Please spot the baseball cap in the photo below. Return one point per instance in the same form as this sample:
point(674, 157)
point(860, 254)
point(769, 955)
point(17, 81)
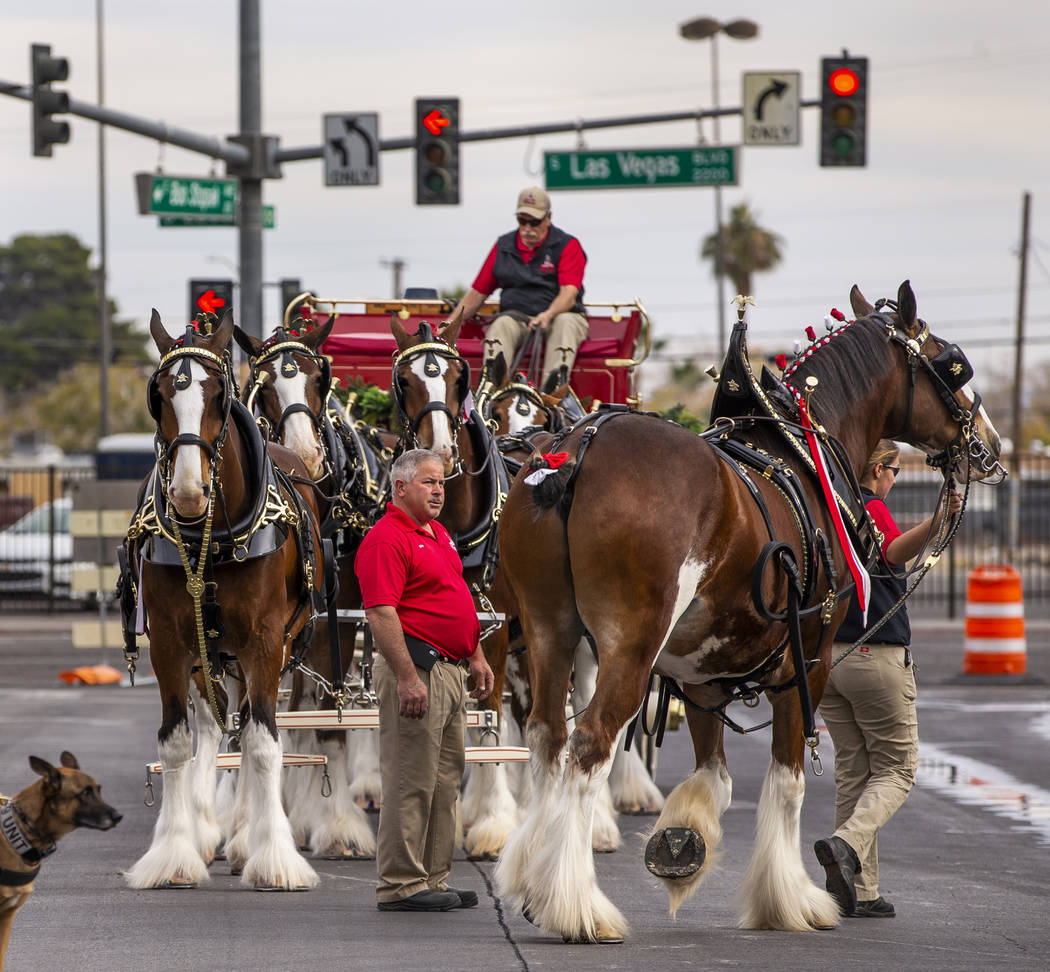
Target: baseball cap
point(534, 202)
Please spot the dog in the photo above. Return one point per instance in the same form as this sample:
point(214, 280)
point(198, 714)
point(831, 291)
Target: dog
point(34, 819)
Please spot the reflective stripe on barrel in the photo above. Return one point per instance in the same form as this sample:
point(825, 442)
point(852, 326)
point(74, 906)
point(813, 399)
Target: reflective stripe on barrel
point(995, 638)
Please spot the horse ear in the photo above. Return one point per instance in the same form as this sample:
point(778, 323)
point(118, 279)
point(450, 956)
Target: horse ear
point(859, 303)
point(450, 329)
point(250, 345)
point(316, 337)
point(224, 332)
point(557, 396)
point(161, 337)
point(68, 760)
point(401, 336)
point(907, 311)
point(498, 373)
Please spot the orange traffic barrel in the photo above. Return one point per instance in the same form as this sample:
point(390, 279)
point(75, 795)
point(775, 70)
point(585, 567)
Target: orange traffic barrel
point(995, 639)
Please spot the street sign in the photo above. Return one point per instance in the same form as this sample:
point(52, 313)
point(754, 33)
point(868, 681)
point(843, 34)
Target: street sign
point(186, 195)
point(771, 107)
point(351, 149)
point(642, 168)
point(269, 220)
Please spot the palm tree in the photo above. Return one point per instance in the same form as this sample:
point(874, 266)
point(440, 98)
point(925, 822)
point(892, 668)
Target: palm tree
point(747, 248)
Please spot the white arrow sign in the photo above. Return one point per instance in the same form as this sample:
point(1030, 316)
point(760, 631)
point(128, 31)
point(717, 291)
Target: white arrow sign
point(771, 107)
point(351, 149)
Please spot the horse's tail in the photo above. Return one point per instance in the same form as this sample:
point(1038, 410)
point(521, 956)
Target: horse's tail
point(552, 489)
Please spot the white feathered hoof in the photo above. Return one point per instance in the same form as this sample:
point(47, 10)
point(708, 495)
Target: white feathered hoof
point(675, 853)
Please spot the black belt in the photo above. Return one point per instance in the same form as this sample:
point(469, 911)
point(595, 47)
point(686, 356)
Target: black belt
point(423, 654)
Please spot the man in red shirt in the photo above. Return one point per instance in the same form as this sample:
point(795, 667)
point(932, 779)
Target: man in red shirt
point(539, 271)
point(424, 625)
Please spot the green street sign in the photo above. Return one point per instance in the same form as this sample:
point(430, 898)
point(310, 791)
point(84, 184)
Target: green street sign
point(186, 195)
point(642, 168)
point(269, 220)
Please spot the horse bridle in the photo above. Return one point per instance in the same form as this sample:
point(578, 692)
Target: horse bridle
point(186, 352)
point(948, 371)
point(526, 394)
point(283, 347)
point(432, 349)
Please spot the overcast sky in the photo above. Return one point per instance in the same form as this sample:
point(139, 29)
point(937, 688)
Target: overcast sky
point(959, 130)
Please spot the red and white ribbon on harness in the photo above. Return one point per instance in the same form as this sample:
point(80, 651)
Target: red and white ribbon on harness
point(552, 461)
point(856, 567)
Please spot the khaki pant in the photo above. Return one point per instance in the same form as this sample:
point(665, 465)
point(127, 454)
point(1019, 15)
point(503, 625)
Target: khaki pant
point(869, 709)
point(567, 331)
point(421, 769)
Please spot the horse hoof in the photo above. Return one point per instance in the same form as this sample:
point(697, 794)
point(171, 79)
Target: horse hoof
point(676, 852)
point(483, 857)
point(177, 884)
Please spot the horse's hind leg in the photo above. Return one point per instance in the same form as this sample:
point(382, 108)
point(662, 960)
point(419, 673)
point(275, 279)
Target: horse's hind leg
point(343, 831)
point(173, 859)
point(777, 891)
point(683, 846)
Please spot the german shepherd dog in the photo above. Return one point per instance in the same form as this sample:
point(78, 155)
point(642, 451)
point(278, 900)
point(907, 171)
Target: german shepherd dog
point(33, 820)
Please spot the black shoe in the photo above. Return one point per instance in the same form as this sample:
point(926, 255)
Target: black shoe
point(879, 908)
point(424, 901)
point(841, 863)
point(467, 899)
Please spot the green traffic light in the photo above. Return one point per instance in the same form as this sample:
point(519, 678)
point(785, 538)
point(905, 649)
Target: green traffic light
point(436, 180)
point(842, 143)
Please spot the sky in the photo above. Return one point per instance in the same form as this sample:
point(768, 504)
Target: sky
point(959, 130)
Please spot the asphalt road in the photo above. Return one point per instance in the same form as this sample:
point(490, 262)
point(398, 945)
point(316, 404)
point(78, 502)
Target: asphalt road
point(966, 860)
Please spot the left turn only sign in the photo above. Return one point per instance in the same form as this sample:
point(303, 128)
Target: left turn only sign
point(351, 149)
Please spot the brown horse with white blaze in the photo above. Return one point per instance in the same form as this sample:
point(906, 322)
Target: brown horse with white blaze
point(647, 539)
point(229, 558)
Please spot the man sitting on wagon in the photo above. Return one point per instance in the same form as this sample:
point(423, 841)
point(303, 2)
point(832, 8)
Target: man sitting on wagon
point(539, 271)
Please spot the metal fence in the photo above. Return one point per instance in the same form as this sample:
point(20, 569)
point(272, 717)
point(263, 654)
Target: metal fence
point(34, 569)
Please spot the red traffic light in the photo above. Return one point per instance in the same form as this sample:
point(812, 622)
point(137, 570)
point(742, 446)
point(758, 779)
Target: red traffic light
point(210, 302)
point(435, 121)
point(844, 82)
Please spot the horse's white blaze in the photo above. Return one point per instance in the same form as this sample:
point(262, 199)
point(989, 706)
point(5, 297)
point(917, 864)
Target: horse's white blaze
point(298, 432)
point(436, 389)
point(186, 488)
point(777, 891)
point(516, 422)
point(273, 862)
point(173, 854)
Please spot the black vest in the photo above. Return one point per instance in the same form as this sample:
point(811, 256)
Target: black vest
point(531, 287)
point(885, 592)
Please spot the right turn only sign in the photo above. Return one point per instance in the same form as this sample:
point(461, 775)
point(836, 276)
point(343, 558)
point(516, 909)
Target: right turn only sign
point(771, 107)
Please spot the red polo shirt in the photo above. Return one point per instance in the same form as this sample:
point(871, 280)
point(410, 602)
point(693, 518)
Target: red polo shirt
point(421, 576)
point(570, 267)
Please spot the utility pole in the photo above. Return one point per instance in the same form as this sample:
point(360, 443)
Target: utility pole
point(1015, 424)
point(397, 264)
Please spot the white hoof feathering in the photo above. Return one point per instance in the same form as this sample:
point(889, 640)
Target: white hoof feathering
point(273, 861)
point(363, 754)
point(777, 892)
point(633, 790)
point(341, 828)
point(490, 812)
point(696, 804)
point(605, 834)
point(173, 857)
point(547, 867)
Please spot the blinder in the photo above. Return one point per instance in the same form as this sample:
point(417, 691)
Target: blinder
point(952, 367)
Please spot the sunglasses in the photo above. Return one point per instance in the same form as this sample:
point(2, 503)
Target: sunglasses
point(527, 221)
point(896, 470)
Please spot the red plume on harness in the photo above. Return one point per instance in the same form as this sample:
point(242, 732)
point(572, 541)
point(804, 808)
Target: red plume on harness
point(543, 466)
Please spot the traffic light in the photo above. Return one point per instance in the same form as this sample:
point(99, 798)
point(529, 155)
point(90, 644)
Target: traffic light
point(211, 297)
point(437, 151)
point(45, 69)
point(843, 110)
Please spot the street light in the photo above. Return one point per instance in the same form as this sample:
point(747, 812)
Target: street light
point(701, 29)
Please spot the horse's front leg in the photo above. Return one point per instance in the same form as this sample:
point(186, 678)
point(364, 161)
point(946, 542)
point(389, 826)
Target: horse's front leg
point(273, 862)
point(777, 892)
point(202, 772)
point(173, 858)
point(683, 846)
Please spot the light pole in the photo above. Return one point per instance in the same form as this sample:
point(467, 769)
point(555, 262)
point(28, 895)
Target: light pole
point(701, 29)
